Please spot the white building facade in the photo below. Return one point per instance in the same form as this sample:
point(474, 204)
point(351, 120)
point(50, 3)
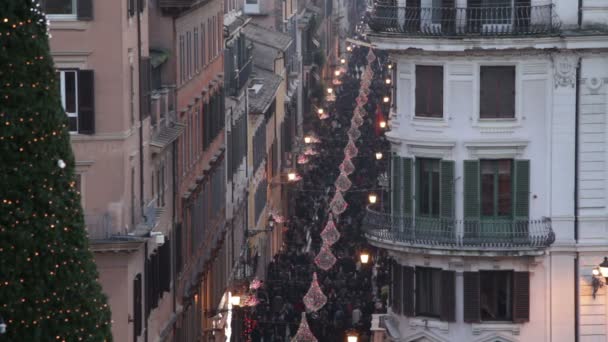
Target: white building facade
point(498, 200)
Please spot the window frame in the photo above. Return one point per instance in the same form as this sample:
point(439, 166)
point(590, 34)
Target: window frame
point(432, 116)
point(510, 294)
point(64, 16)
point(481, 87)
point(496, 190)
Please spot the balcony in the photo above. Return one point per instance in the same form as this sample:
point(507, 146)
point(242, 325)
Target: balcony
point(458, 237)
point(104, 236)
point(470, 21)
point(239, 78)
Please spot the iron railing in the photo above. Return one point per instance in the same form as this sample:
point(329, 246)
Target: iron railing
point(455, 234)
point(101, 228)
point(473, 21)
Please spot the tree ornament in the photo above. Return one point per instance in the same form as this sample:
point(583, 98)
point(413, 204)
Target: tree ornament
point(61, 164)
point(338, 205)
point(354, 133)
point(330, 233)
point(325, 259)
point(343, 183)
point(351, 150)
point(370, 57)
point(314, 299)
point(347, 166)
point(356, 121)
point(304, 334)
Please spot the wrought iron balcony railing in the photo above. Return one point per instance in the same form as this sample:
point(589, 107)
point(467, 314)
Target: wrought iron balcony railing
point(458, 234)
point(471, 21)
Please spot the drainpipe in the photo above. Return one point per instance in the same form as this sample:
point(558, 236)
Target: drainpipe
point(173, 220)
point(141, 154)
point(576, 211)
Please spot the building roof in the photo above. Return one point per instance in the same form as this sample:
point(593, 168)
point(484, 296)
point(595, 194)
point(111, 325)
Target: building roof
point(265, 85)
point(264, 56)
point(261, 35)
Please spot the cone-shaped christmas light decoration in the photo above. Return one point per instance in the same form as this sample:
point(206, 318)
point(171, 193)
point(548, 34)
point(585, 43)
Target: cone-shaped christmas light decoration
point(330, 233)
point(338, 205)
point(354, 133)
point(314, 299)
point(303, 159)
point(310, 152)
point(351, 150)
point(304, 334)
point(370, 57)
point(325, 259)
point(347, 166)
point(356, 121)
point(343, 183)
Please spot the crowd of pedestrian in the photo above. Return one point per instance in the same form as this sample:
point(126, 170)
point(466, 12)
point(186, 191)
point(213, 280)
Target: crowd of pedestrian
point(354, 290)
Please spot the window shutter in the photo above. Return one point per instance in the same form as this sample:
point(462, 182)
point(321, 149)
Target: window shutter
point(421, 84)
point(522, 189)
point(471, 189)
point(472, 311)
point(521, 297)
point(485, 93)
point(448, 296)
point(437, 90)
point(145, 71)
point(86, 102)
point(396, 186)
point(507, 83)
point(131, 8)
point(407, 165)
point(447, 189)
point(137, 306)
point(84, 10)
point(396, 288)
point(408, 291)
point(141, 5)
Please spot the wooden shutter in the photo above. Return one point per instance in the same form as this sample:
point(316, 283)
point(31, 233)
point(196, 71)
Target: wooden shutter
point(396, 202)
point(421, 84)
point(447, 189)
point(86, 102)
point(84, 10)
point(408, 294)
point(407, 166)
point(486, 93)
point(131, 8)
point(521, 297)
point(471, 189)
point(397, 286)
point(448, 296)
point(141, 5)
point(472, 311)
point(507, 93)
point(522, 190)
point(137, 295)
point(145, 70)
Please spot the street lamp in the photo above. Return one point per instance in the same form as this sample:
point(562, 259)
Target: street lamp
point(235, 300)
point(330, 90)
point(388, 81)
point(372, 198)
point(364, 257)
point(386, 99)
point(390, 65)
point(343, 61)
point(337, 73)
point(378, 155)
point(291, 176)
point(349, 48)
point(320, 111)
point(382, 124)
point(307, 140)
point(352, 336)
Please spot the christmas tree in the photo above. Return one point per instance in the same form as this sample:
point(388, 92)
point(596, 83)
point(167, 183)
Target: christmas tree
point(48, 280)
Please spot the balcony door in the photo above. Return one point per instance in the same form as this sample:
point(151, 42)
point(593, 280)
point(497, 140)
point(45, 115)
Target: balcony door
point(430, 16)
point(498, 16)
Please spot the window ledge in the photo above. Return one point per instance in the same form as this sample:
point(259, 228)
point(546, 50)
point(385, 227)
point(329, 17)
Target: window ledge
point(500, 124)
point(479, 328)
point(429, 323)
point(429, 121)
point(67, 24)
point(430, 149)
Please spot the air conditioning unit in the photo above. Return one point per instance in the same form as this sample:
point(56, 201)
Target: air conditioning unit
point(496, 28)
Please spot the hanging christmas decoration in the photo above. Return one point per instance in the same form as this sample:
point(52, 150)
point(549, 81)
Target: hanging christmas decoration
point(351, 150)
point(343, 183)
point(325, 259)
point(347, 166)
point(304, 334)
point(370, 57)
point(354, 133)
point(330, 233)
point(251, 301)
point(356, 121)
point(256, 283)
point(310, 152)
point(314, 299)
point(338, 205)
point(302, 159)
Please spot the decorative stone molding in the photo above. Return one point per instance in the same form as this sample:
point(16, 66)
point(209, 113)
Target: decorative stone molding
point(479, 328)
point(430, 149)
point(594, 83)
point(496, 338)
point(564, 69)
point(496, 149)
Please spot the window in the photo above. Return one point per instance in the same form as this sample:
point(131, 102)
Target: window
point(189, 53)
point(203, 55)
point(429, 91)
point(76, 91)
point(196, 52)
point(428, 187)
point(497, 92)
point(59, 7)
point(68, 83)
point(496, 188)
point(182, 59)
point(428, 292)
point(496, 295)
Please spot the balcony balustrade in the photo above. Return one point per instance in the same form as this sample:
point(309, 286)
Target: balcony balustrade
point(471, 21)
point(449, 234)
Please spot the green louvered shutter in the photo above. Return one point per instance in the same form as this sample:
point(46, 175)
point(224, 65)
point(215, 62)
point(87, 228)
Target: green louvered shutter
point(522, 190)
point(407, 186)
point(471, 198)
point(447, 189)
point(396, 185)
